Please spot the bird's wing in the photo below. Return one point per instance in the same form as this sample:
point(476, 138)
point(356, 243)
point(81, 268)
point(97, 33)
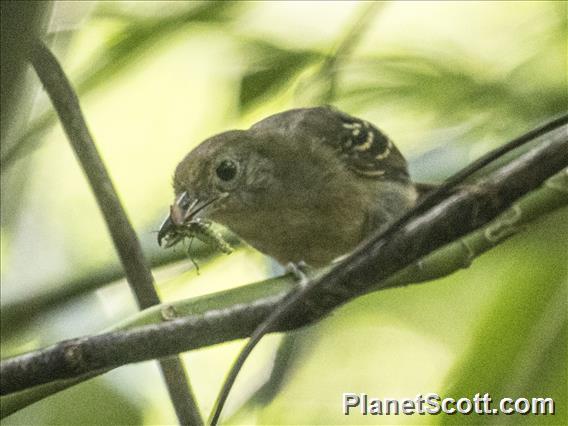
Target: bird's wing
point(363, 148)
point(366, 150)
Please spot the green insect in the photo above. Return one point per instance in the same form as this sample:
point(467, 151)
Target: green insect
point(202, 230)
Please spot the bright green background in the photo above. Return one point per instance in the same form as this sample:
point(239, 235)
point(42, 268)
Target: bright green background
point(446, 80)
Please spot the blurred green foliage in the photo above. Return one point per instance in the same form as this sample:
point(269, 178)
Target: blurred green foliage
point(75, 406)
point(271, 68)
point(522, 332)
point(133, 38)
point(451, 80)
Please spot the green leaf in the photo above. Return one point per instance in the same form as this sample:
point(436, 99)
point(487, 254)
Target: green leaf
point(137, 38)
point(271, 68)
point(451, 88)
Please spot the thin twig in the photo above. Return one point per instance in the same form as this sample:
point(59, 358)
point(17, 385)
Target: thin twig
point(138, 273)
point(321, 87)
point(457, 214)
point(346, 46)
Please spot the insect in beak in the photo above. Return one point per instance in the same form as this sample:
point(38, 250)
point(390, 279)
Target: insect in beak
point(182, 212)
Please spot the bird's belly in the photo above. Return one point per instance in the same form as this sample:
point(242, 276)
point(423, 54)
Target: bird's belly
point(317, 244)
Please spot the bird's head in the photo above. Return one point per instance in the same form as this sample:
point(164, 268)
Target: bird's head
point(221, 179)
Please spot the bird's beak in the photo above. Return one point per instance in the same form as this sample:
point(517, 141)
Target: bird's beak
point(166, 228)
point(181, 212)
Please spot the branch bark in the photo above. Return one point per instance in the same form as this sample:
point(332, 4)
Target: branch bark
point(456, 215)
point(126, 243)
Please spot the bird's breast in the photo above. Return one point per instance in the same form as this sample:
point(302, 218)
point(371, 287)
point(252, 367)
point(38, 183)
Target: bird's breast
point(295, 235)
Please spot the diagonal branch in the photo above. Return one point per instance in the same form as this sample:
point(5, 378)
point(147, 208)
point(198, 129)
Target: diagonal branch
point(456, 215)
point(126, 243)
point(452, 257)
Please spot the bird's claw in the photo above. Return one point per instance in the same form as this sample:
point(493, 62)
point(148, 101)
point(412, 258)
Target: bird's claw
point(300, 271)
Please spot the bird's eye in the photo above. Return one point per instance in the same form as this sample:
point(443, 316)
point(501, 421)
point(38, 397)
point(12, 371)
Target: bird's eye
point(226, 170)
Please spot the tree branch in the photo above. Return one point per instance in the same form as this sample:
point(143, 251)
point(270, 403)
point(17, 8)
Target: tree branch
point(126, 243)
point(215, 319)
point(457, 255)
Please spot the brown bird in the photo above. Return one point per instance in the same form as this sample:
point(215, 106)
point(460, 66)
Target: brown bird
point(305, 185)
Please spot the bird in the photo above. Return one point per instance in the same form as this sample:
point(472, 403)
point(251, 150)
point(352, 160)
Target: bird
point(304, 186)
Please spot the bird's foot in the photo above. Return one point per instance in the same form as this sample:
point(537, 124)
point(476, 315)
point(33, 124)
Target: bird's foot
point(300, 271)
